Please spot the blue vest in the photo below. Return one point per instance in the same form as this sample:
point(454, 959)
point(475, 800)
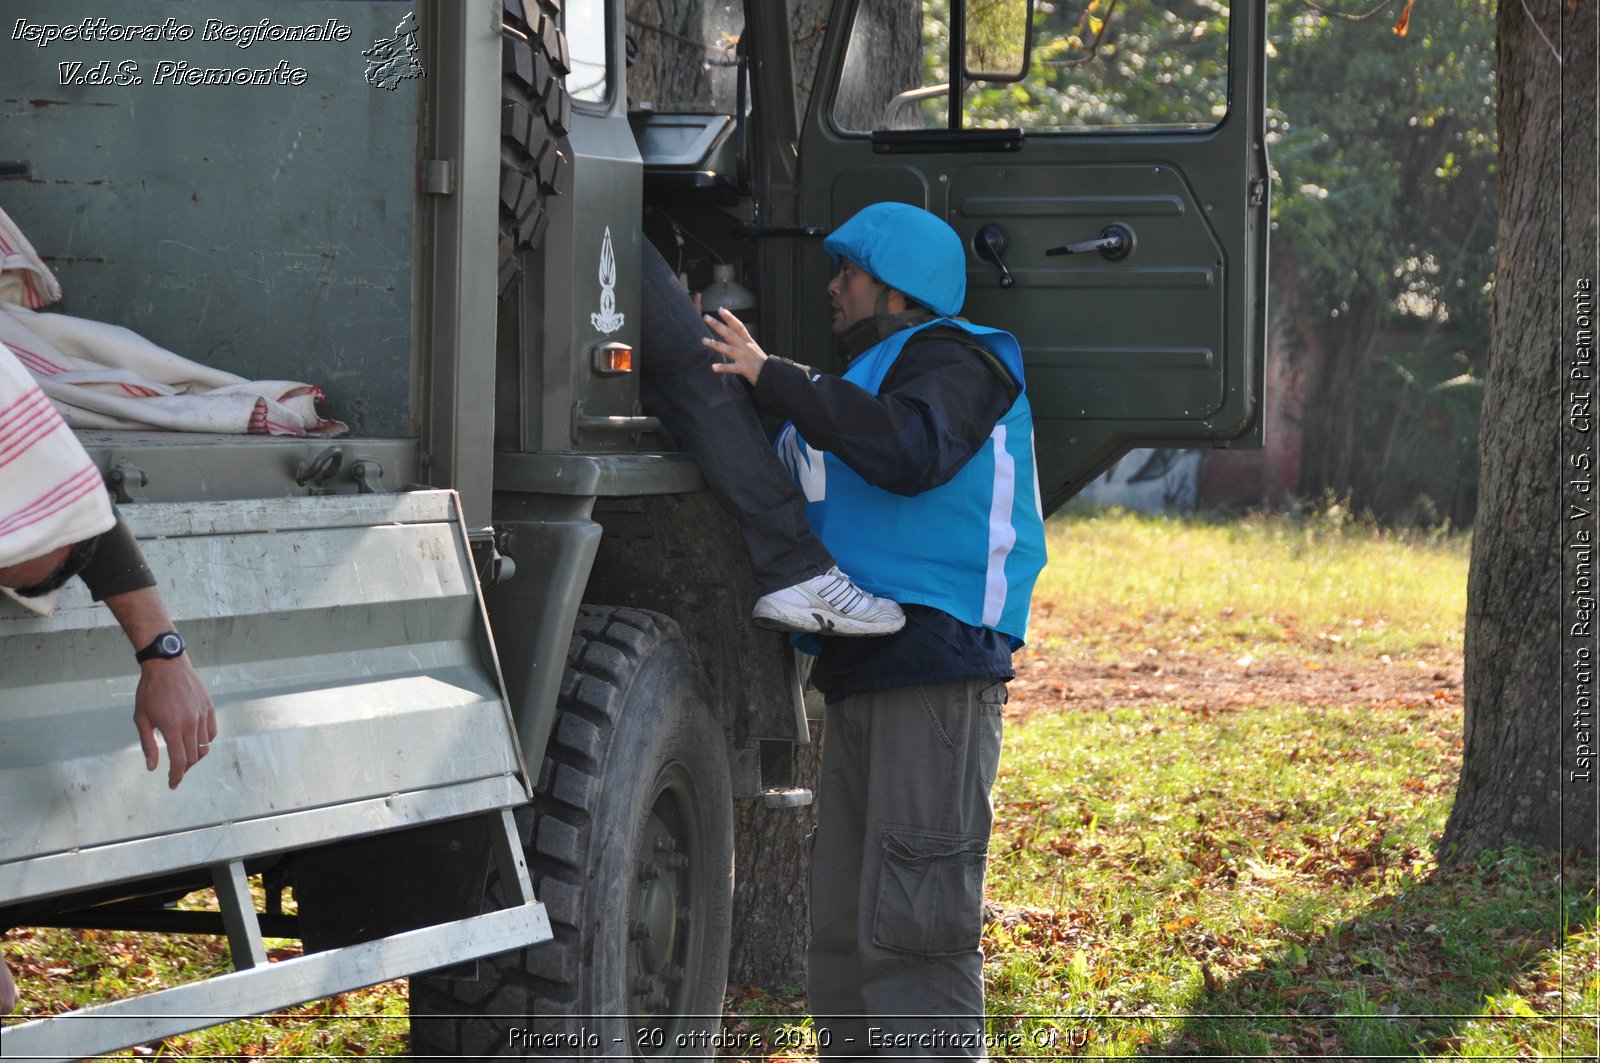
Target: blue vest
point(972, 547)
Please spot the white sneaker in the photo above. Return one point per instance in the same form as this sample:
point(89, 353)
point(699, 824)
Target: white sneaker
point(829, 604)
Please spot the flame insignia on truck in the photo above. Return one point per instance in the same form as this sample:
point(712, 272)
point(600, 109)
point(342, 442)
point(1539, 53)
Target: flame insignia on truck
point(607, 320)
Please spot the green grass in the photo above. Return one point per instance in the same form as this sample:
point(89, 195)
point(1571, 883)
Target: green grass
point(60, 969)
point(1121, 583)
point(1153, 868)
point(1260, 881)
point(1248, 882)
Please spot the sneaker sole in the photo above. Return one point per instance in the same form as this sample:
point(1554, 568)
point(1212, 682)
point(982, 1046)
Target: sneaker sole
point(811, 622)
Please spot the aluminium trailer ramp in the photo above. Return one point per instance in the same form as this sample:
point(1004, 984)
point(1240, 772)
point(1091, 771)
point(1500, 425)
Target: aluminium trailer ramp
point(344, 641)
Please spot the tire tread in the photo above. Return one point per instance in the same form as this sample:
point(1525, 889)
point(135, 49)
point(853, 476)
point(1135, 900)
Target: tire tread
point(607, 647)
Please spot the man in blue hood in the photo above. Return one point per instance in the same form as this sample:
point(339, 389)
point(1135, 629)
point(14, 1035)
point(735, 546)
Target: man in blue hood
point(918, 472)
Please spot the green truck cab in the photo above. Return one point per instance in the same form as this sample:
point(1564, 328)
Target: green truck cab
point(483, 668)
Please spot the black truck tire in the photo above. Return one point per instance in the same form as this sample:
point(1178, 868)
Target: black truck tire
point(630, 844)
point(535, 113)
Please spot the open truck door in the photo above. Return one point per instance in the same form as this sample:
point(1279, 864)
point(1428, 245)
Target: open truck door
point(1106, 171)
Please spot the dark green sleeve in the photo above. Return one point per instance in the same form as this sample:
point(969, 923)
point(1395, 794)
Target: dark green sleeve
point(117, 566)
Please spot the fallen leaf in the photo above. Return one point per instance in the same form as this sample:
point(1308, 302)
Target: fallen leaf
point(1404, 24)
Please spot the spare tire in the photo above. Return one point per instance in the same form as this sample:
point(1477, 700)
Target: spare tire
point(535, 113)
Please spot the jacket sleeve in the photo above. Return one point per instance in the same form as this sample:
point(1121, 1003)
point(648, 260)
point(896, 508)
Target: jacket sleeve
point(936, 407)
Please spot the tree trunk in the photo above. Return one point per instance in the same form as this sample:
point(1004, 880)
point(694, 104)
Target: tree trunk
point(808, 22)
point(1528, 775)
point(771, 918)
point(684, 54)
point(1333, 433)
point(884, 59)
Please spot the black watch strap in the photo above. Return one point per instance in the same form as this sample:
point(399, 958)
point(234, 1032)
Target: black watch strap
point(167, 645)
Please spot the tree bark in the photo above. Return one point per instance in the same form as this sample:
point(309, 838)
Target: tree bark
point(884, 59)
point(808, 23)
point(683, 54)
point(1526, 687)
point(771, 918)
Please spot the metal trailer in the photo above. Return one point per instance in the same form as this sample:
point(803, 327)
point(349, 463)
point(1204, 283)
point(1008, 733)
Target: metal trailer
point(455, 260)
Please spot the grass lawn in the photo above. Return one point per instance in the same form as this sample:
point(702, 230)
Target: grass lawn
point(1230, 751)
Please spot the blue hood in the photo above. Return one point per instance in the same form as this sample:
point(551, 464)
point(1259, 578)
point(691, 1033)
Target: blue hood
point(910, 250)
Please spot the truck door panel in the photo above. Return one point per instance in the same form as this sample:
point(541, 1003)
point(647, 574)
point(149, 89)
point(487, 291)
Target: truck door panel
point(1160, 345)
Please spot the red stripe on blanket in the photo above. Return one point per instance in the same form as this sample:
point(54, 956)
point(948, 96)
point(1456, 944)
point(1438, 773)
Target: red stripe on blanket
point(36, 362)
point(35, 299)
point(20, 434)
point(27, 396)
point(73, 489)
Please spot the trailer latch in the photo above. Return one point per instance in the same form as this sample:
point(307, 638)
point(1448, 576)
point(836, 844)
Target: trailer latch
point(121, 476)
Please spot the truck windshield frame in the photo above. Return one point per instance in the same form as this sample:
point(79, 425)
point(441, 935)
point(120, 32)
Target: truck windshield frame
point(1146, 67)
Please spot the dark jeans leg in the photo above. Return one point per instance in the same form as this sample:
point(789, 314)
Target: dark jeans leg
point(710, 416)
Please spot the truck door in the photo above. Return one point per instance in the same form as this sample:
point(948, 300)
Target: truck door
point(1112, 196)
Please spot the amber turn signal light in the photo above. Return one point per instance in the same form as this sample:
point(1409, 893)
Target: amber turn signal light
point(612, 359)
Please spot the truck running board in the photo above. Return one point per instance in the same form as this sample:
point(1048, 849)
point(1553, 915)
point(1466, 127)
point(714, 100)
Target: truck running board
point(257, 987)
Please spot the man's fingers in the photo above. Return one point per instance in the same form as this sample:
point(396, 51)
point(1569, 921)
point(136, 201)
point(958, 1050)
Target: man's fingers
point(147, 742)
point(180, 754)
point(728, 326)
point(736, 324)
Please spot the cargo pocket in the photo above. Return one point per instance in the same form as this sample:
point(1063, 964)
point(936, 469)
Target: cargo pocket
point(930, 900)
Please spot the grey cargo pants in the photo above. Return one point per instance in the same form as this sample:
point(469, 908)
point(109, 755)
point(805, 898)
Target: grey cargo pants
point(903, 820)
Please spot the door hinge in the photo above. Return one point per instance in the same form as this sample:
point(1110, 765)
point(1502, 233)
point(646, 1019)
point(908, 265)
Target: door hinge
point(1258, 192)
point(438, 176)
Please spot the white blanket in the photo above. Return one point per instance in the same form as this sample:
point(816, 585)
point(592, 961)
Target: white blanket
point(51, 494)
point(106, 376)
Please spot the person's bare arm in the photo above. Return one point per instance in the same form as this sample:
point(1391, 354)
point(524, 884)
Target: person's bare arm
point(27, 573)
point(171, 698)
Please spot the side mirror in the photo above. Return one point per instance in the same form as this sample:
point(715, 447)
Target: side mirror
point(996, 39)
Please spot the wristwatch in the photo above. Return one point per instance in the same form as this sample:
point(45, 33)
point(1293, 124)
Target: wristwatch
point(166, 646)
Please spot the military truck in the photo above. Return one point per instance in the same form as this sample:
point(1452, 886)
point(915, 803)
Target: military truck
point(483, 668)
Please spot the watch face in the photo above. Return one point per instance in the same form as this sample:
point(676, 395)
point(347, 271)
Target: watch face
point(170, 645)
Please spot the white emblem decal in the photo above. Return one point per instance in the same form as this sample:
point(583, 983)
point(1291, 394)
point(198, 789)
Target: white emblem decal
point(804, 463)
point(607, 320)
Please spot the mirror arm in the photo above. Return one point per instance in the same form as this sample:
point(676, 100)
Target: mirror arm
point(958, 61)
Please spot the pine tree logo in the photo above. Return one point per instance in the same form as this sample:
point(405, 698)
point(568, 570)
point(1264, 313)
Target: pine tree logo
point(607, 320)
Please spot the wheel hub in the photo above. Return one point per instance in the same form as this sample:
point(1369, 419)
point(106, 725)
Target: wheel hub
point(657, 912)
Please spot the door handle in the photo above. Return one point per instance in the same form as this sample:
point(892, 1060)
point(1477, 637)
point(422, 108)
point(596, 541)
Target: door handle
point(1115, 241)
point(989, 244)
